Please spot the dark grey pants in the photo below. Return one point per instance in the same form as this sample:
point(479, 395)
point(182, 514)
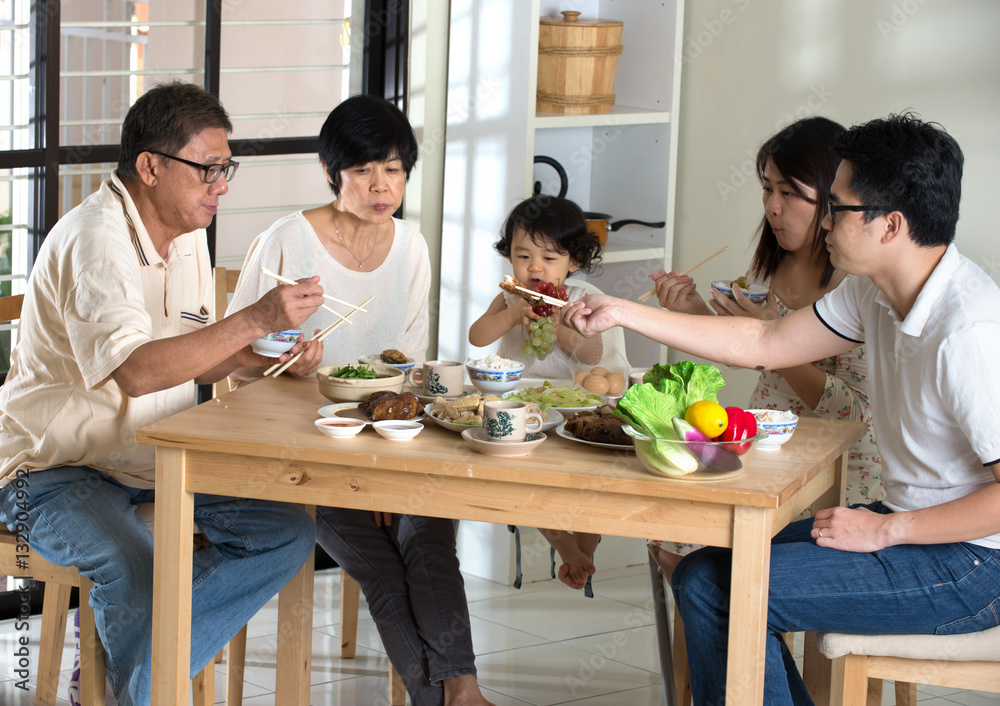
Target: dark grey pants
point(410, 577)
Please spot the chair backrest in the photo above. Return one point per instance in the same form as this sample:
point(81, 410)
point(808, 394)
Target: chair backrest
point(225, 284)
point(10, 311)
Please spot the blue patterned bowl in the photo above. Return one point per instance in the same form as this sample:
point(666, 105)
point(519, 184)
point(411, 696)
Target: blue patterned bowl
point(495, 381)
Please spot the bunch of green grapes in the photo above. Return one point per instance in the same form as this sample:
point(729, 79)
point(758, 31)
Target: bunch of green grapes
point(541, 338)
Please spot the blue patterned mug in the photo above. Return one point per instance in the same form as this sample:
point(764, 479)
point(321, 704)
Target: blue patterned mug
point(505, 420)
point(439, 377)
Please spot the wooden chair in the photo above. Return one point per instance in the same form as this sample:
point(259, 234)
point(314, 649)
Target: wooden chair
point(970, 661)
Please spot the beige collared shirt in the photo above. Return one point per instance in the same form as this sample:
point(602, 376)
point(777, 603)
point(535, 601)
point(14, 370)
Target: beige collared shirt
point(97, 291)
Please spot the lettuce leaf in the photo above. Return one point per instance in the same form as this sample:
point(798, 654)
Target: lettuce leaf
point(690, 382)
point(650, 411)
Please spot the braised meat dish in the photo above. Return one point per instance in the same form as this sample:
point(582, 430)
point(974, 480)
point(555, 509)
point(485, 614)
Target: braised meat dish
point(600, 426)
point(390, 405)
point(391, 355)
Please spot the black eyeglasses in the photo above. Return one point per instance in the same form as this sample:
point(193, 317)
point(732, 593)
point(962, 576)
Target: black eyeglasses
point(212, 171)
point(832, 209)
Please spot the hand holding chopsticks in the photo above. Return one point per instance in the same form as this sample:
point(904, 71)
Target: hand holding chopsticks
point(652, 292)
point(278, 368)
point(285, 280)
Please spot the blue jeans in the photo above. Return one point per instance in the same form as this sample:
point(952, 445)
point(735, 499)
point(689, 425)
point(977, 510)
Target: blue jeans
point(920, 589)
point(79, 517)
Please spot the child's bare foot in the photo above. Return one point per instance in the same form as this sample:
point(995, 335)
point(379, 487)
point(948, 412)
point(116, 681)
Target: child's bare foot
point(576, 577)
point(464, 691)
point(667, 561)
point(577, 565)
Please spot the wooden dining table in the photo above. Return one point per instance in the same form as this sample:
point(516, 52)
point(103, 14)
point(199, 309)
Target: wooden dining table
point(260, 442)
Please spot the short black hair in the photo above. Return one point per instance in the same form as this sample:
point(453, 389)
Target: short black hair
point(803, 153)
point(907, 165)
point(550, 220)
point(365, 129)
point(164, 119)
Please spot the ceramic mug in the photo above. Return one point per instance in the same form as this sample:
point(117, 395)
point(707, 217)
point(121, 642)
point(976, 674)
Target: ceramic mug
point(439, 377)
point(506, 420)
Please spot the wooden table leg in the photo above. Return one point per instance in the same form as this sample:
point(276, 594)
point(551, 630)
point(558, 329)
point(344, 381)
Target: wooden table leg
point(172, 569)
point(295, 610)
point(748, 605)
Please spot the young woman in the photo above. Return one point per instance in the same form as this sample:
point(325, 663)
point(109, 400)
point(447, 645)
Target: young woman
point(796, 168)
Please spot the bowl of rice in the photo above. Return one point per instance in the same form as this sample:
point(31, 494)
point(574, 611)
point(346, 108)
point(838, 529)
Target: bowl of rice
point(493, 374)
point(778, 425)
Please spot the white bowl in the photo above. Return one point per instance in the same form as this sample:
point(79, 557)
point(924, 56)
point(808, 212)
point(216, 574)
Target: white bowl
point(377, 358)
point(338, 427)
point(779, 428)
point(495, 380)
point(398, 429)
point(274, 344)
point(755, 292)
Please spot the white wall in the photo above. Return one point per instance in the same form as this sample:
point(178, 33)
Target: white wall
point(751, 67)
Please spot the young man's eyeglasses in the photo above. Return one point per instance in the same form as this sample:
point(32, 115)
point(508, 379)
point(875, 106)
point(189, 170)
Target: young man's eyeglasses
point(831, 209)
point(212, 171)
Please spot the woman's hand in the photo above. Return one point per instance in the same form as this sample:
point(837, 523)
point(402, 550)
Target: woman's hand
point(677, 293)
point(724, 306)
point(310, 359)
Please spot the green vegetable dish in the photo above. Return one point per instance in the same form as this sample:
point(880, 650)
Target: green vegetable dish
point(352, 372)
point(547, 397)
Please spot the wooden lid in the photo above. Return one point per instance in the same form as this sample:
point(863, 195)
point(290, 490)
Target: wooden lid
point(573, 17)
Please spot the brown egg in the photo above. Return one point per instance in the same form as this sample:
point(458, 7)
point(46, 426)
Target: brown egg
point(580, 376)
point(598, 384)
point(616, 383)
point(603, 372)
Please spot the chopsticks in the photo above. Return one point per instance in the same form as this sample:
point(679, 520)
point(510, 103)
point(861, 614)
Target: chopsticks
point(285, 280)
point(652, 292)
point(278, 368)
point(542, 297)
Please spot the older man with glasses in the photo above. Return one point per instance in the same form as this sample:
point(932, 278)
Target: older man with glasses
point(116, 331)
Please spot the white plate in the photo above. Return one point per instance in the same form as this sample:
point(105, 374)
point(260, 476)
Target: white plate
point(349, 410)
point(422, 395)
point(561, 431)
point(477, 439)
point(567, 410)
point(555, 419)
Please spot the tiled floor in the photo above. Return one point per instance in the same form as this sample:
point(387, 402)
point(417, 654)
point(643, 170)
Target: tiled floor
point(544, 644)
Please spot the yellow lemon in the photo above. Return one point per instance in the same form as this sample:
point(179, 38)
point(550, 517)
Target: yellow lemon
point(709, 418)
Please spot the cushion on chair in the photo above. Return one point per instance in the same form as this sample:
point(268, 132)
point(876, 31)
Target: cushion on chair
point(983, 646)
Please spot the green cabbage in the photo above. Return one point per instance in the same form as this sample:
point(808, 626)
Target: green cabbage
point(687, 381)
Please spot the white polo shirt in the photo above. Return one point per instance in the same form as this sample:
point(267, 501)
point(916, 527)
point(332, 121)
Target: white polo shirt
point(935, 382)
point(97, 291)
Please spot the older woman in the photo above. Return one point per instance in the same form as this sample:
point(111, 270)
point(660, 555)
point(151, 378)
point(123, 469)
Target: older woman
point(406, 564)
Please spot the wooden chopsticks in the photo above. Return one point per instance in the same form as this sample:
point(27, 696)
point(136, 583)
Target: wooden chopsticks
point(278, 368)
point(652, 292)
point(542, 297)
point(285, 280)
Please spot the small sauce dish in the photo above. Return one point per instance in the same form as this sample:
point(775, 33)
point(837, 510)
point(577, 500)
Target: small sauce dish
point(397, 429)
point(339, 427)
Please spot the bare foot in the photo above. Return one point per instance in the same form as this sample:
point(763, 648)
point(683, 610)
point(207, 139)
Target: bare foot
point(667, 561)
point(576, 577)
point(577, 565)
point(464, 691)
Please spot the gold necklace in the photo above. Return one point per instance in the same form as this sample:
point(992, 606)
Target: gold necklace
point(361, 263)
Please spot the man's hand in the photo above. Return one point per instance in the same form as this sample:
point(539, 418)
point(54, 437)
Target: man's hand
point(288, 306)
point(593, 314)
point(852, 529)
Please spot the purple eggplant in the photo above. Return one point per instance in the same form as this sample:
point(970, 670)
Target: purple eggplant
point(713, 456)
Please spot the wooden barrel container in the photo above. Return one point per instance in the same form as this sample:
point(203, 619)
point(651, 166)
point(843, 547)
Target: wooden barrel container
point(577, 62)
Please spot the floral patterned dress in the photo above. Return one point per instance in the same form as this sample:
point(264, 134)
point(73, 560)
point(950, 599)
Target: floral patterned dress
point(845, 397)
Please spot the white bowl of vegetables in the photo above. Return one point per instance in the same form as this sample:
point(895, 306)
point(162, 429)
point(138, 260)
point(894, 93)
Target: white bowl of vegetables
point(347, 382)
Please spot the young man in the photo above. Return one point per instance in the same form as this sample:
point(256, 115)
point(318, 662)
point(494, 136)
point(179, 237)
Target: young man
point(115, 333)
point(927, 558)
